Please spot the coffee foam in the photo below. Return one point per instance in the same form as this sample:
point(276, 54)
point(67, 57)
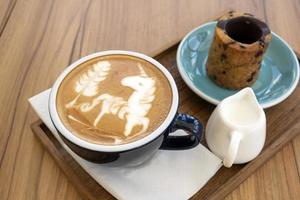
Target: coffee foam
point(87, 84)
point(112, 100)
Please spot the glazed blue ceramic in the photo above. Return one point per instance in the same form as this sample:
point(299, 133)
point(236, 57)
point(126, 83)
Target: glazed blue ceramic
point(165, 141)
point(135, 152)
point(278, 77)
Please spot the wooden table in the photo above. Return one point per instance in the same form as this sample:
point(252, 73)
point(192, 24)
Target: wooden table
point(39, 38)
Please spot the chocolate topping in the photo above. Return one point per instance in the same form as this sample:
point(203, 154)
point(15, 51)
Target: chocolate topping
point(259, 53)
point(223, 56)
point(262, 42)
point(244, 29)
point(251, 77)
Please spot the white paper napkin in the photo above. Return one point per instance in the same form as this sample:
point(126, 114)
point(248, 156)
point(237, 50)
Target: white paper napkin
point(172, 175)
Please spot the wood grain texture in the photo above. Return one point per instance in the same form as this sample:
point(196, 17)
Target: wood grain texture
point(39, 38)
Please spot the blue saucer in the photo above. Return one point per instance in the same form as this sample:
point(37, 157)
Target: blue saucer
point(278, 77)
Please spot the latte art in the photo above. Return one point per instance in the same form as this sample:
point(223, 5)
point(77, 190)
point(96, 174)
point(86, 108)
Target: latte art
point(88, 83)
point(134, 109)
point(114, 99)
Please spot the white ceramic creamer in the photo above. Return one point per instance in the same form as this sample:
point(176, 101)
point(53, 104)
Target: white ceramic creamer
point(236, 130)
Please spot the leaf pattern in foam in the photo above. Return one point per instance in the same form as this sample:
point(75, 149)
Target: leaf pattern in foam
point(87, 84)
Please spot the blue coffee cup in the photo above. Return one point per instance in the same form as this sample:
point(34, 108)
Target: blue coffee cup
point(138, 151)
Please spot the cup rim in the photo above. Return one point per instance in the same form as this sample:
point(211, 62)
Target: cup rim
point(112, 148)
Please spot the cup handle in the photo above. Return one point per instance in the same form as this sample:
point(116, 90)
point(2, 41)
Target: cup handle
point(233, 149)
point(192, 126)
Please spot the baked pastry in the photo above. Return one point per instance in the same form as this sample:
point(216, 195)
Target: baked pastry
point(237, 50)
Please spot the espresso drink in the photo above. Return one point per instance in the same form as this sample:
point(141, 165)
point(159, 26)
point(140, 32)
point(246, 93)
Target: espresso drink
point(114, 99)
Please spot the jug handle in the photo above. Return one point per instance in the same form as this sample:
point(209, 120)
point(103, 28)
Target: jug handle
point(233, 149)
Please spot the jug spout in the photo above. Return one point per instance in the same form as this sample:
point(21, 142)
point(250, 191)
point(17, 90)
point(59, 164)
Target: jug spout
point(247, 95)
point(242, 108)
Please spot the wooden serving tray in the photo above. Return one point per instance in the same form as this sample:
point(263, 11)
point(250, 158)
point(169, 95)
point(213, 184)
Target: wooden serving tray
point(283, 124)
